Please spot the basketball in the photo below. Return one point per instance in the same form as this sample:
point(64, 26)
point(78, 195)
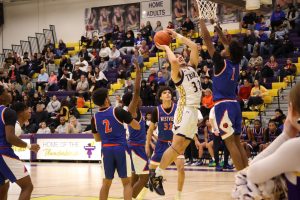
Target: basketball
point(162, 38)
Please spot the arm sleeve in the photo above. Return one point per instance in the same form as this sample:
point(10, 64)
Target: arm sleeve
point(285, 159)
point(123, 116)
point(10, 117)
point(94, 130)
point(272, 147)
point(218, 62)
point(154, 116)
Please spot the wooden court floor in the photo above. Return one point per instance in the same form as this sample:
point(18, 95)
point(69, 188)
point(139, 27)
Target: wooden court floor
point(82, 181)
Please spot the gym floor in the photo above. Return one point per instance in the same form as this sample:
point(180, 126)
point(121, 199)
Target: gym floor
point(82, 181)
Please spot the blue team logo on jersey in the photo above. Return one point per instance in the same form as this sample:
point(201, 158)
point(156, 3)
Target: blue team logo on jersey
point(89, 149)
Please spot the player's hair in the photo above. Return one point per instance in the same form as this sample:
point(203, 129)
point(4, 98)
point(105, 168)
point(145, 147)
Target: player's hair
point(294, 98)
point(19, 107)
point(272, 121)
point(99, 96)
point(126, 98)
point(161, 90)
point(236, 51)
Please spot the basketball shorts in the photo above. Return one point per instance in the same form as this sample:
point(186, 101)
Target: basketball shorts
point(11, 167)
point(229, 118)
point(159, 151)
point(116, 158)
point(185, 121)
point(139, 159)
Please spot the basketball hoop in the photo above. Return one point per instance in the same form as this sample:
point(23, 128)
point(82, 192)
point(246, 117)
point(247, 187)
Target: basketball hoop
point(207, 9)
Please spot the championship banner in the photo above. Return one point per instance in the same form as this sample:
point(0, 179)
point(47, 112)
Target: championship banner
point(23, 153)
point(68, 149)
point(155, 8)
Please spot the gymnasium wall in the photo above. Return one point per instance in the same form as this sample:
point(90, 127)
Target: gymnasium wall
point(26, 18)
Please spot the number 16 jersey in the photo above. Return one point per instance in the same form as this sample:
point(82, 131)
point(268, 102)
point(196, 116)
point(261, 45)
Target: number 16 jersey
point(189, 88)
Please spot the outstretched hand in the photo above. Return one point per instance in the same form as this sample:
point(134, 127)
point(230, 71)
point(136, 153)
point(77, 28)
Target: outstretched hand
point(161, 47)
point(172, 33)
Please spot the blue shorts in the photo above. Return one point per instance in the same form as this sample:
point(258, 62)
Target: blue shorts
point(229, 118)
point(116, 158)
point(139, 159)
point(11, 167)
point(160, 149)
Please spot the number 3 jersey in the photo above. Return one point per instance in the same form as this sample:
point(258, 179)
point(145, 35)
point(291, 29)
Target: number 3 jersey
point(189, 88)
point(165, 123)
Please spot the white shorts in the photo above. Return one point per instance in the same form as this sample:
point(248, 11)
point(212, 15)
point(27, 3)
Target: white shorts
point(185, 121)
point(139, 160)
point(11, 169)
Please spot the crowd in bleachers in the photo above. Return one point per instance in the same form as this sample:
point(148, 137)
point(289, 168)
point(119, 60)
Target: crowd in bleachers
point(105, 58)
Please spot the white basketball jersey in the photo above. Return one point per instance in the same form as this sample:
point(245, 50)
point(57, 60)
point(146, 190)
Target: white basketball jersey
point(189, 88)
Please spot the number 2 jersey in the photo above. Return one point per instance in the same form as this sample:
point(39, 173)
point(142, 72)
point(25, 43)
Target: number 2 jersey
point(109, 124)
point(189, 88)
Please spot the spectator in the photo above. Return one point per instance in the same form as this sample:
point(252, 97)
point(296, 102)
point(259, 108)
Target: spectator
point(158, 27)
point(49, 45)
point(144, 49)
point(154, 88)
point(15, 94)
point(119, 102)
point(114, 57)
point(14, 75)
point(40, 115)
point(256, 97)
point(43, 129)
point(279, 116)
point(104, 51)
point(74, 126)
point(270, 134)
point(128, 44)
point(288, 70)
point(96, 43)
point(244, 94)
point(261, 25)
point(145, 93)
point(64, 110)
point(49, 56)
point(80, 101)
point(52, 82)
point(62, 128)
point(207, 102)
point(138, 40)
point(272, 63)
point(165, 72)
point(83, 87)
point(249, 41)
point(160, 80)
point(146, 31)
point(42, 79)
point(65, 80)
point(170, 25)
point(262, 40)
point(10, 60)
point(277, 17)
point(128, 87)
point(152, 75)
point(255, 61)
point(188, 27)
point(292, 15)
point(62, 48)
point(137, 58)
point(83, 64)
point(249, 20)
point(85, 54)
point(206, 84)
point(100, 78)
point(53, 106)
point(103, 66)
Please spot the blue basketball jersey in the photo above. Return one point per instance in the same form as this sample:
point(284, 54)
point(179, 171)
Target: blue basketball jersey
point(111, 130)
point(138, 136)
point(165, 123)
point(3, 141)
point(258, 135)
point(226, 82)
point(244, 134)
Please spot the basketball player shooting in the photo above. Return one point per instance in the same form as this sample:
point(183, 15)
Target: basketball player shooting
point(225, 81)
point(188, 86)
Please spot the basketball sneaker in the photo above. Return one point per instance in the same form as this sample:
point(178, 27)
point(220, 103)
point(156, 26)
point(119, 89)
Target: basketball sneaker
point(156, 183)
point(212, 163)
point(228, 166)
point(219, 168)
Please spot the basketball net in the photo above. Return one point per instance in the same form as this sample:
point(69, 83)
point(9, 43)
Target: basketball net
point(207, 9)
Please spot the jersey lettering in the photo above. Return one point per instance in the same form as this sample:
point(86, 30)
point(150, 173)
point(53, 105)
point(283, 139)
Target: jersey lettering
point(108, 129)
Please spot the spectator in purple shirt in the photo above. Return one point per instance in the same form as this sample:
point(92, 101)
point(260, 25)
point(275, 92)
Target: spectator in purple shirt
point(277, 17)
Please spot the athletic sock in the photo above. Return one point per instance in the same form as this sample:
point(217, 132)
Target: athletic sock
point(159, 172)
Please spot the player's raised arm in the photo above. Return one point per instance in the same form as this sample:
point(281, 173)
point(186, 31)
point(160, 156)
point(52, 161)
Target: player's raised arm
point(206, 37)
point(175, 66)
point(220, 33)
point(132, 108)
point(194, 57)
